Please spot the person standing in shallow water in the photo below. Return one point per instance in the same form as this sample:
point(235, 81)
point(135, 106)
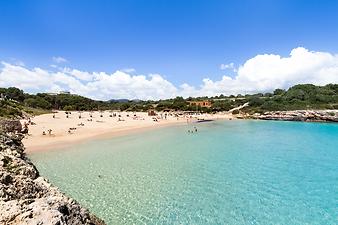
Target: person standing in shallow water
point(193, 130)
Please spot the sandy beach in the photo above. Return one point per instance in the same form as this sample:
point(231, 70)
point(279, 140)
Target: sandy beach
point(49, 131)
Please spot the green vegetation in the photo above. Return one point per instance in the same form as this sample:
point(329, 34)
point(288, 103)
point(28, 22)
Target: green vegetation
point(13, 104)
point(235, 112)
point(304, 96)
point(9, 109)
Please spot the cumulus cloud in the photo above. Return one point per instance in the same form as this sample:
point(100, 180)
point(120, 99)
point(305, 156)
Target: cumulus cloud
point(59, 59)
point(97, 85)
point(261, 73)
point(227, 66)
point(17, 62)
point(269, 71)
point(80, 75)
point(129, 70)
point(266, 72)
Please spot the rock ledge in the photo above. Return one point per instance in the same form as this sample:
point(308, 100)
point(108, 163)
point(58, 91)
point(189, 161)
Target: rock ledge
point(298, 115)
point(27, 198)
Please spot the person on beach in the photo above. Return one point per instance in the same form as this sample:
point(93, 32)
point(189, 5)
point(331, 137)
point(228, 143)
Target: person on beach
point(25, 128)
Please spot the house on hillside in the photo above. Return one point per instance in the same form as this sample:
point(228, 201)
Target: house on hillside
point(64, 92)
point(206, 104)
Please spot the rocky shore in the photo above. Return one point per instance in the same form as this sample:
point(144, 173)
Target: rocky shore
point(26, 197)
point(298, 115)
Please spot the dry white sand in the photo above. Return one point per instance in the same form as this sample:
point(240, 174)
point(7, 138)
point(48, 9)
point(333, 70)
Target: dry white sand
point(96, 126)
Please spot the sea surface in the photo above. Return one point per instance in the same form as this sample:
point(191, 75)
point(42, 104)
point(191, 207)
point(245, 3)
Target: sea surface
point(228, 172)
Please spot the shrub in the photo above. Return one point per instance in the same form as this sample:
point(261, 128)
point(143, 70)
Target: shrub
point(235, 112)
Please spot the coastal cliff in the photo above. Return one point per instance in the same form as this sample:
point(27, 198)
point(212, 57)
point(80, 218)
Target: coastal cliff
point(297, 115)
point(26, 197)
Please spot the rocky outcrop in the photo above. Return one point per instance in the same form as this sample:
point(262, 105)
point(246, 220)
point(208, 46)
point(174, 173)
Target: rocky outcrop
point(27, 198)
point(10, 126)
point(299, 115)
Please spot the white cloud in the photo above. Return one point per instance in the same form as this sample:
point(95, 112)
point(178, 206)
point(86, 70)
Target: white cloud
point(80, 75)
point(17, 62)
point(18, 76)
point(59, 59)
point(129, 70)
point(259, 74)
point(269, 71)
point(227, 66)
point(97, 85)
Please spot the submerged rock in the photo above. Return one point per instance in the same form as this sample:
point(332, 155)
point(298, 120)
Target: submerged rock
point(27, 198)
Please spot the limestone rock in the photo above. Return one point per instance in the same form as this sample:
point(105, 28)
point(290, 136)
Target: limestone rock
point(26, 198)
point(299, 115)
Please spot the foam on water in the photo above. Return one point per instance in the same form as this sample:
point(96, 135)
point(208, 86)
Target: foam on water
point(230, 172)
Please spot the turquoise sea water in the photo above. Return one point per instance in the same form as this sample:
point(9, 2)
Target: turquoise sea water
point(230, 172)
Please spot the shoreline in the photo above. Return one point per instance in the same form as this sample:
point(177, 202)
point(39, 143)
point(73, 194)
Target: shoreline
point(97, 136)
point(124, 123)
point(99, 128)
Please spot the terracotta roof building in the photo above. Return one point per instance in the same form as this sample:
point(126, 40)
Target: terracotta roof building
point(206, 104)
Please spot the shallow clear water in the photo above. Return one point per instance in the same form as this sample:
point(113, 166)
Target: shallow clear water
point(230, 172)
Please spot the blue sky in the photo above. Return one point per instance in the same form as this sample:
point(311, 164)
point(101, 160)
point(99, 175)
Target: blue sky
point(183, 41)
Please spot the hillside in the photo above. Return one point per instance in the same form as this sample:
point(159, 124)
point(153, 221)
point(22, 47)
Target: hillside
point(14, 102)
